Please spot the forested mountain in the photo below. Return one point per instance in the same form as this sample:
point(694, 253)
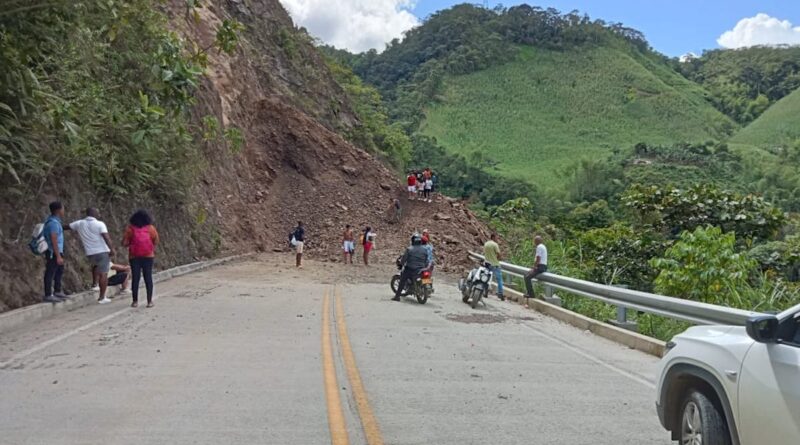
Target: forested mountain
point(776, 129)
point(743, 83)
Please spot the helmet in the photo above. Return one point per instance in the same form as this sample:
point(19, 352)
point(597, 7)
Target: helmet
point(416, 240)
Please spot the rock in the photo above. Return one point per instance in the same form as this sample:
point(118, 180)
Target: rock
point(386, 187)
point(450, 240)
point(350, 170)
point(342, 206)
point(441, 217)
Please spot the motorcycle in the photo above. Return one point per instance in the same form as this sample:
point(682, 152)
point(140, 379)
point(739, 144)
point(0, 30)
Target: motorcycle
point(421, 286)
point(475, 286)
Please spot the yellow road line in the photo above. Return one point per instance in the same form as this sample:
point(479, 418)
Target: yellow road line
point(368, 421)
point(336, 422)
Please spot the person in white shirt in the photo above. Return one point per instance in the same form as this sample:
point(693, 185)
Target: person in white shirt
point(539, 266)
point(98, 247)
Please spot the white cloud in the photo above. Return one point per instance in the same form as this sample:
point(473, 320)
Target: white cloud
point(760, 30)
point(357, 25)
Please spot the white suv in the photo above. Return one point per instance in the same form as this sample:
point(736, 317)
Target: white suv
point(729, 385)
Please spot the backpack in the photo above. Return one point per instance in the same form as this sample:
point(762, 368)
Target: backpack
point(141, 244)
point(38, 244)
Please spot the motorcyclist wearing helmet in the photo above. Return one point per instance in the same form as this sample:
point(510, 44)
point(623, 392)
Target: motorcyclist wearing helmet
point(414, 261)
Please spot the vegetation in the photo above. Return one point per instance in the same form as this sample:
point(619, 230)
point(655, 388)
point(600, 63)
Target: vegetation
point(102, 88)
point(538, 115)
point(745, 82)
point(777, 129)
point(373, 132)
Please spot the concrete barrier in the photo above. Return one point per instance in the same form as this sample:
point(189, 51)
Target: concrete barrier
point(29, 314)
point(625, 337)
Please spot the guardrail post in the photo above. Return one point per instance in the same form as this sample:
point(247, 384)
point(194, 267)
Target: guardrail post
point(622, 317)
point(550, 297)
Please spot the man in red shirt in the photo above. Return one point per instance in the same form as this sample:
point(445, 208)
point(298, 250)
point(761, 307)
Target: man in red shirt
point(412, 185)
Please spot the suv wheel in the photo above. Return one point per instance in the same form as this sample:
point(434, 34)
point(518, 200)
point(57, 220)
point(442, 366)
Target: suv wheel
point(701, 422)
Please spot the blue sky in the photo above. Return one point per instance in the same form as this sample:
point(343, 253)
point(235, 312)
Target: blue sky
point(673, 27)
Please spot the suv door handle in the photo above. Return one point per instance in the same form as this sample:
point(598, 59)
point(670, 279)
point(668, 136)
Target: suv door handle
point(732, 374)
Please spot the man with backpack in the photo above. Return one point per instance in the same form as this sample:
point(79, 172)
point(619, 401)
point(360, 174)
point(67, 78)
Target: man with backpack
point(53, 234)
point(98, 247)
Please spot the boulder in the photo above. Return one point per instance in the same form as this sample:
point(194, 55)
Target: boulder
point(441, 217)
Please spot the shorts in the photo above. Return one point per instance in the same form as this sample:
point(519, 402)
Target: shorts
point(412, 189)
point(101, 260)
point(117, 279)
point(298, 246)
point(367, 247)
point(349, 247)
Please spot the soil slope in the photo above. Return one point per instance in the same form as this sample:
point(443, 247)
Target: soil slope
point(293, 166)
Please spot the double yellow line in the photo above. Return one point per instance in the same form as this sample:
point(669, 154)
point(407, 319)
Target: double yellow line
point(336, 421)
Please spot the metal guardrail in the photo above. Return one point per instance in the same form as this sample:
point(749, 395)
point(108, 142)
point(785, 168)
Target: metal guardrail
point(670, 307)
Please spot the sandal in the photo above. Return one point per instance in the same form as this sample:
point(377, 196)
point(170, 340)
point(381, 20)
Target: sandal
point(134, 304)
point(150, 304)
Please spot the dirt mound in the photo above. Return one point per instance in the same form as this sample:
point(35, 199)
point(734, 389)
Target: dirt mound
point(301, 171)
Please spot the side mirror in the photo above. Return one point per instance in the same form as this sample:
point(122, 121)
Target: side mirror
point(763, 328)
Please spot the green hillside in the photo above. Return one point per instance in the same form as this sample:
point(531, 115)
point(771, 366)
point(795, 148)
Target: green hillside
point(548, 109)
point(778, 126)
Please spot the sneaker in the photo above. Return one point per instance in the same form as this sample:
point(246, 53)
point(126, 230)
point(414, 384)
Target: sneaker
point(51, 299)
point(104, 301)
point(501, 297)
point(125, 292)
point(396, 299)
point(62, 296)
point(95, 287)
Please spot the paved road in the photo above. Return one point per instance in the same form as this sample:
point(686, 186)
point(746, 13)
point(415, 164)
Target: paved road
point(235, 355)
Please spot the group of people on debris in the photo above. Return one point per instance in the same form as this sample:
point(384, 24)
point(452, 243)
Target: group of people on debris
point(422, 184)
point(140, 238)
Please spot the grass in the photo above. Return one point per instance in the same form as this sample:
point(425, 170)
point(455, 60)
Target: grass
point(535, 117)
point(778, 126)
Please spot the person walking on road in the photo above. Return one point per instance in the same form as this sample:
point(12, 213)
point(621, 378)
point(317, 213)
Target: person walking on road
point(414, 261)
point(53, 233)
point(348, 244)
point(299, 241)
point(491, 251)
point(98, 248)
point(539, 267)
point(141, 239)
point(368, 241)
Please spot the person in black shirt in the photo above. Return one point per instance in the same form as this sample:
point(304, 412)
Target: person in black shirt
point(414, 261)
point(299, 240)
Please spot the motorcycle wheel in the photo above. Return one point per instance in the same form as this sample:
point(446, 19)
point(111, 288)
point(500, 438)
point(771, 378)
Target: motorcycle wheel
point(396, 282)
point(424, 294)
point(477, 293)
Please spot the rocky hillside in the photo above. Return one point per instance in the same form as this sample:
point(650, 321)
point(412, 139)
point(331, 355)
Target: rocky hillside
point(293, 165)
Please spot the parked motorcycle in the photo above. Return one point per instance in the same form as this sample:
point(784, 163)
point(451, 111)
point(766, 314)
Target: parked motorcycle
point(421, 286)
point(475, 286)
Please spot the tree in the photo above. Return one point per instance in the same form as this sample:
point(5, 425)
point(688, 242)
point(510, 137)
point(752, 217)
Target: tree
point(703, 266)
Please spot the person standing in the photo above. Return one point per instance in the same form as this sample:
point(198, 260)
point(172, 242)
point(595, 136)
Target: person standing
point(299, 237)
point(428, 188)
point(98, 248)
point(349, 244)
point(53, 233)
point(412, 185)
point(539, 266)
point(368, 241)
point(141, 239)
point(491, 251)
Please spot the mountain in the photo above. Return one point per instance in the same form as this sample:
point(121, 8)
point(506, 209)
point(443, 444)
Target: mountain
point(527, 92)
point(539, 114)
point(745, 82)
point(779, 126)
point(227, 146)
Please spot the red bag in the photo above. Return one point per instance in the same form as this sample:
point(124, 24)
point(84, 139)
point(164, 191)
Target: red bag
point(141, 245)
